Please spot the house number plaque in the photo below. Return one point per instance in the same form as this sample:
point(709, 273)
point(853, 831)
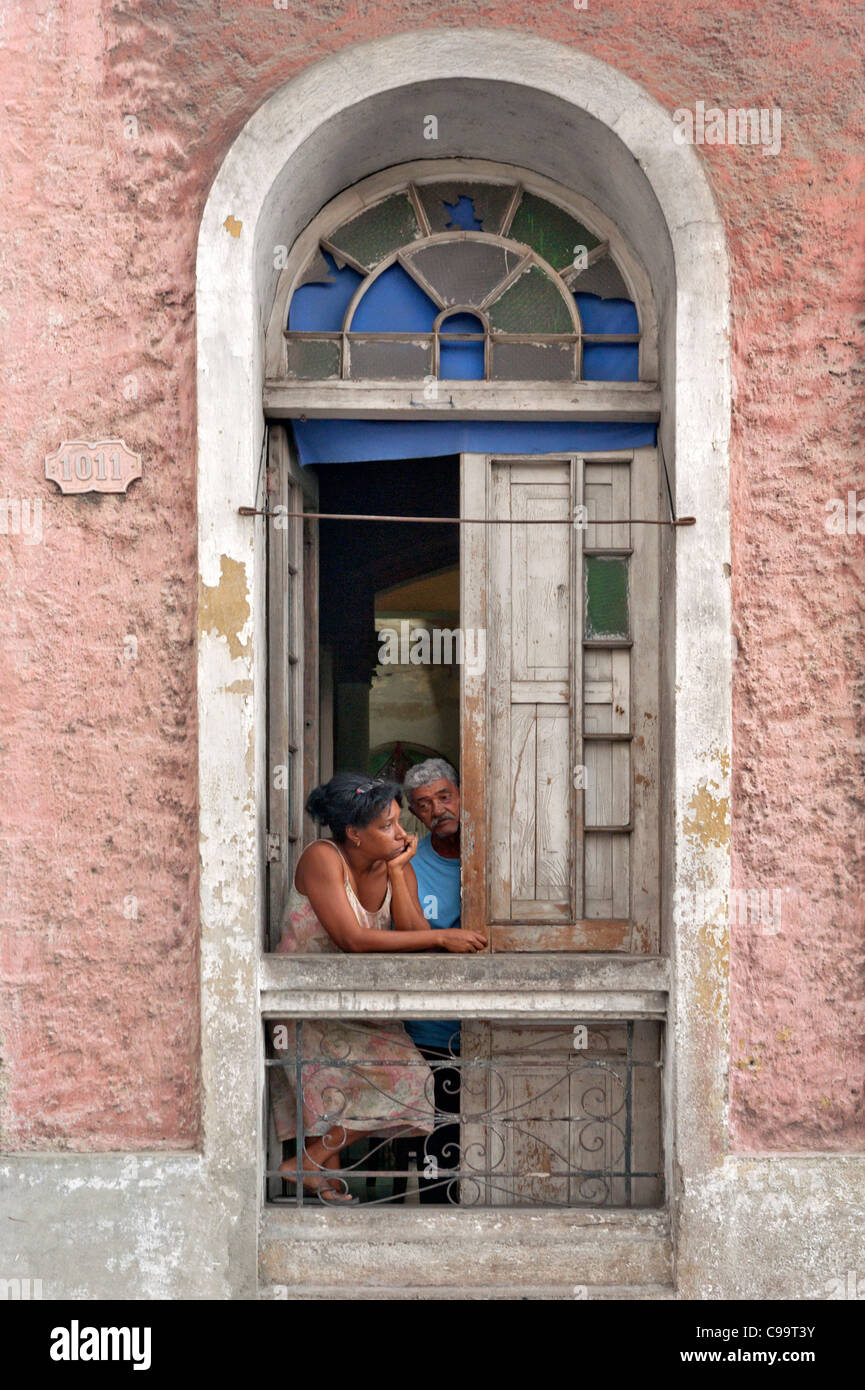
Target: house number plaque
point(104, 466)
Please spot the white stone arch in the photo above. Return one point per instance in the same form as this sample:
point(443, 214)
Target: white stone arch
point(531, 102)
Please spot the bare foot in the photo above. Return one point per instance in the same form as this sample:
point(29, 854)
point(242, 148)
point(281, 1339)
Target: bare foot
point(327, 1189)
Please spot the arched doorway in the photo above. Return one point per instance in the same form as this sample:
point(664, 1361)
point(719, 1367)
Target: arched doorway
point(503, 95)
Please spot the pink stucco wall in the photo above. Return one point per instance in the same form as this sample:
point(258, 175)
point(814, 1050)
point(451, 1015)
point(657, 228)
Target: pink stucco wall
point(98, 932)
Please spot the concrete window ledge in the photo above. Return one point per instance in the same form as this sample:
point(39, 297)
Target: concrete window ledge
point(553, 986)
point(505, 1250)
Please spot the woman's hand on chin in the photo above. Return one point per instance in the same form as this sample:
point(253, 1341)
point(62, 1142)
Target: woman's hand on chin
point(397, 862)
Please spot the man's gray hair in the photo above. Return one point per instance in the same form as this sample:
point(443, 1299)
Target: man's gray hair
point(433, 770)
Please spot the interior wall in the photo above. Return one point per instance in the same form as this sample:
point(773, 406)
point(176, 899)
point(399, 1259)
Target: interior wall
point(417, 703)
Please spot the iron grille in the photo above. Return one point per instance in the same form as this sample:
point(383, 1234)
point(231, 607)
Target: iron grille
point(512, 1114)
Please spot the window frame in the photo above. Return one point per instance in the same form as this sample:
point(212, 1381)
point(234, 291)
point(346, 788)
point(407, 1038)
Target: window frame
point(634, 984)
point(663, 197)
point(578, 400)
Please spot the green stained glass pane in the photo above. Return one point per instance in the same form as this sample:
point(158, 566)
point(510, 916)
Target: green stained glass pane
point(550, 231)
point(606, 597)
point(312, 358)
point(378, 231)
point(532, 304)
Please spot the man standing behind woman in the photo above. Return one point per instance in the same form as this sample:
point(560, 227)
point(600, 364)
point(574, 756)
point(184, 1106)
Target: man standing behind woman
point(432, 788)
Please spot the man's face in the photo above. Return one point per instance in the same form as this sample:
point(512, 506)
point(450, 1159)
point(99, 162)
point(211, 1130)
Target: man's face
point(438, 806)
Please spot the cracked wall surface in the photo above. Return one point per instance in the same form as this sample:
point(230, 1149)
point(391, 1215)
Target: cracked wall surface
point(116, 122)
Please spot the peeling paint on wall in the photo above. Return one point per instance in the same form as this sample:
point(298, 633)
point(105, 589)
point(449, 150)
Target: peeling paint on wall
point(709, 822)
point(796, 593)
point(223, 608)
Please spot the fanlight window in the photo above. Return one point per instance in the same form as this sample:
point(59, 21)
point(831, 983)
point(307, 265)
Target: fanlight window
point(462, 280)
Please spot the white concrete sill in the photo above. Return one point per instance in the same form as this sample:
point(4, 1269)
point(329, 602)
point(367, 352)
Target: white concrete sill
point(560, 986)
point(497, 1223)
point(490, 1250)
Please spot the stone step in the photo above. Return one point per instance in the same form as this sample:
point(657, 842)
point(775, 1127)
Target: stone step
point(428, 1249)
point(543, 1293)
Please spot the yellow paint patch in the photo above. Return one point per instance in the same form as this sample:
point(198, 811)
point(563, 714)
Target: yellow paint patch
point(239, 688)
point(752, 1062)
point(232, 226)
point(250, 758)
point(714, 955)
point(710, 816)
point(223, 608)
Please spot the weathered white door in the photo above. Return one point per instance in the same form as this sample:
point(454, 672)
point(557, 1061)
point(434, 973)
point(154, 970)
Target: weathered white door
point(560, 809)
point(560, 732)
point(293, 739)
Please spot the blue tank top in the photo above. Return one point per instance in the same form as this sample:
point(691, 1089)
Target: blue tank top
point(438, 888)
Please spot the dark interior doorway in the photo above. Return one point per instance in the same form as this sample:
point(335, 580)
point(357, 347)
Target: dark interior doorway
point(383, 573)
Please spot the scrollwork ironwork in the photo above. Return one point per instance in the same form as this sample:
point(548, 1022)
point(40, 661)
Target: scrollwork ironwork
point(539, 1123)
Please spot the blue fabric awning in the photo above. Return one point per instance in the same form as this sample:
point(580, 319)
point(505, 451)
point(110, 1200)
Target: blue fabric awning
point(364, 441)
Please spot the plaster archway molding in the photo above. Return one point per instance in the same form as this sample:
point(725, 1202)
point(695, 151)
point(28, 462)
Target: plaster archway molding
point(521, 100)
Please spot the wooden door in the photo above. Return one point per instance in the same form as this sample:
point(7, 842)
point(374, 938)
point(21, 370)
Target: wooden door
point(560, 731)
point(293, 707)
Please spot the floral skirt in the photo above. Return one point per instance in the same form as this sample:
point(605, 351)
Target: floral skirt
point(360, 1076)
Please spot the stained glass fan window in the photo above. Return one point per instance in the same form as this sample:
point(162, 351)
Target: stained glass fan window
point(474, 280)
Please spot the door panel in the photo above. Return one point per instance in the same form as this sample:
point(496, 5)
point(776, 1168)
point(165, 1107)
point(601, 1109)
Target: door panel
point(559, 737)
point(293, 705)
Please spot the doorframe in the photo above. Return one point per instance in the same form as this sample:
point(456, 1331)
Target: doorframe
point(293, 154)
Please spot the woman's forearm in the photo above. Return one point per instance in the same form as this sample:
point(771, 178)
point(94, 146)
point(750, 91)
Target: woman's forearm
point(371, 939)
point(405, 909)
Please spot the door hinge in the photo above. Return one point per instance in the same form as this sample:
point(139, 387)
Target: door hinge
point(274, 847)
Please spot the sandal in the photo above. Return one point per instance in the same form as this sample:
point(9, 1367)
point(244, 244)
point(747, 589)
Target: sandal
point(326, 1189)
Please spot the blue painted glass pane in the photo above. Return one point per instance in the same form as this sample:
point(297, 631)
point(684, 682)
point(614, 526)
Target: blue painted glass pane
point(607, 315)
point(462, 214)
point(461, 323)
point(461, 361)
point(611, 361)
point(394, 303)
point(323, 306)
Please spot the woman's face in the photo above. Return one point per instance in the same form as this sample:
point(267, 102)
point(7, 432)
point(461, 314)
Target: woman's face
point(383, 838)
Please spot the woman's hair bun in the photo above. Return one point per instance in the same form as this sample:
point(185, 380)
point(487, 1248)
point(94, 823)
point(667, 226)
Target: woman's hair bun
point(350, 798)
point(316, 805)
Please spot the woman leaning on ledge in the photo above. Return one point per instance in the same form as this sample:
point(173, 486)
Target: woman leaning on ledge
point(384, 1085)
